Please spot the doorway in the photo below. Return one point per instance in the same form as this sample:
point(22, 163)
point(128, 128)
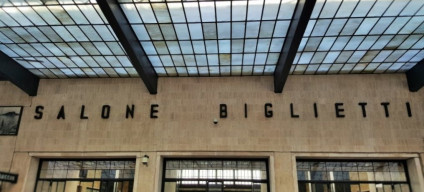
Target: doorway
point(215, 175)
point(85, 176)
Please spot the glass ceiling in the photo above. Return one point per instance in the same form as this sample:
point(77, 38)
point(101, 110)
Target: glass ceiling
point(62, 39)
point(211, 38)
point(367, 36)
point(72, 38)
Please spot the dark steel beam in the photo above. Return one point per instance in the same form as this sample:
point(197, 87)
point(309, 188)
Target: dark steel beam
point(294, 36)
point(122, 28)
point(415, 77)
point(20, 76)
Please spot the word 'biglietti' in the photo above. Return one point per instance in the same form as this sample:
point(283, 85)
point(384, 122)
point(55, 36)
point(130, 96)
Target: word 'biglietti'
point(338, 109)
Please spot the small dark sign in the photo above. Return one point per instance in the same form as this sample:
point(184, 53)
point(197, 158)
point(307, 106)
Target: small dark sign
point(8, 177)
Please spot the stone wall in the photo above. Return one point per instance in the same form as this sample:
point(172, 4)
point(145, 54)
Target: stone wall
point(188, 106)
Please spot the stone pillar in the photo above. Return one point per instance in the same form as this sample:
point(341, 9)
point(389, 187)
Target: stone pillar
point(284, 172)
point(20, 166)
point(415, 174)
point(146, 175)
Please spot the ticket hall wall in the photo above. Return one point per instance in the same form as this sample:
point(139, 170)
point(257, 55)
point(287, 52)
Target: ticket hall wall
point(316, 117)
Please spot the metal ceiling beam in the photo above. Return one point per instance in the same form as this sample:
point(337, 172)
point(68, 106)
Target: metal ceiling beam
point(20, 76)
point(122, 28)
point(415, 77)
point(294, 36)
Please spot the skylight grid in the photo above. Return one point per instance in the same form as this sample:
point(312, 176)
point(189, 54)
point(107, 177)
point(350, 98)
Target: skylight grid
point(211, 38)
point(62, 39)
point(362, 36)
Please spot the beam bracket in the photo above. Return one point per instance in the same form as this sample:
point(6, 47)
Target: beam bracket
point(12, 71)
point(295, 32)
point(415, 77)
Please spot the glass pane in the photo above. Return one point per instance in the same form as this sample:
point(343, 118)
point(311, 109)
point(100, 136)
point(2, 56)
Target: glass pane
point(215, 186)
point(192, 11)
point(177, 12)
point(321, 187)
point(190, 170)
point(207, 10)
point(369, 175)
point(87, 186)
point(305, 187)
point(239, 10)
point(170, 187)
point(72, 185)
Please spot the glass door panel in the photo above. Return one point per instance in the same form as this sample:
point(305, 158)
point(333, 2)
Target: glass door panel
point(190, 186)
point(39, 186)
point(367, 187)
point(53, 186)
point(340, 187)
point(107, 186)
point(96, 186)
point(354, 188)
point(170, 187)
point(260, 187)
point(46, 186)
point(305, 187)
point(320, 187)
point(117, 186)
point(126, 186)
point(405, 188)
point(86, 175)
point(215, 187)
point(50, 186)
point(60, 186)
point(71, 186)
point(388, 188)
point(86, 186)
point(215, 175)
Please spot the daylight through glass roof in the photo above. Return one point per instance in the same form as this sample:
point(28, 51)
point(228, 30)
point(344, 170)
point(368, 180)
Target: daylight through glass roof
point(72, 38)
point(61, 39)
point(211, 38)
point(367, 36)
